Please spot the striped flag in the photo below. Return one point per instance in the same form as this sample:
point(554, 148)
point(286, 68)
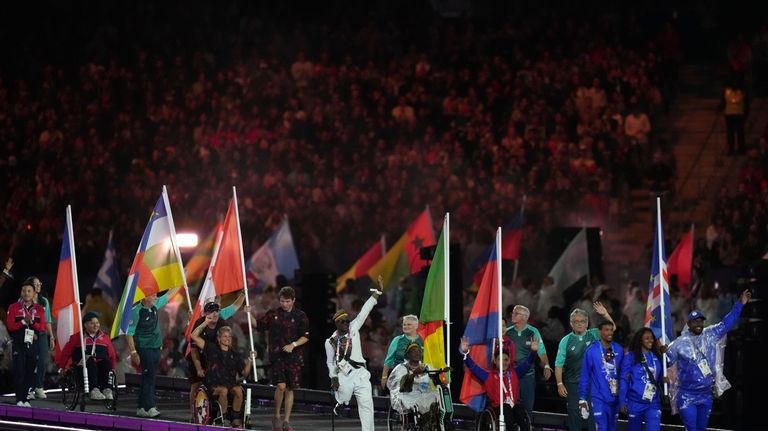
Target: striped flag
point(277, 256)
point(404, 258)
point(199, 262)
point(481, 330)
point(362, 265)
point(658, 310)
point(433, 306)
point(108, 277)
point(66, 297)
point(157, 266)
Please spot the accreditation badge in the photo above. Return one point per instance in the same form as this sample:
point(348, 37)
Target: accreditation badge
point(704, 367)
point(29, 336)
point(614, 386)
point(344, 366)
point(649, 392)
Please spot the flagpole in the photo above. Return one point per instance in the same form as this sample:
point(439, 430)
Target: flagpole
point(247, 302)
point(517, 261)
point(76, 314)
point(447, 285)
point(502, 425)
point(663, 287)
point(175, 245)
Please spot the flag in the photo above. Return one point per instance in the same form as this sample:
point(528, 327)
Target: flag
point(108, 277)
point(573, 263)
point(199, 262)
point(276, 256)
point(66, 299)
point(432, 313)
point(681, 261)
point(225, 274)
point(658, 286)
point(510, 242)
point(481, 330)
point(156, 268)
point(404, 258)
point(362, 265)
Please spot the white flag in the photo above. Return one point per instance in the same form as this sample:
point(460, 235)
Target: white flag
point(573, 263)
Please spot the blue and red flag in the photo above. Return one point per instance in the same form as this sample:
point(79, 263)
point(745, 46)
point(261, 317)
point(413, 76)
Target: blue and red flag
point(481, 330)
point(510, 246)
point(66, 305)
point(658, 288)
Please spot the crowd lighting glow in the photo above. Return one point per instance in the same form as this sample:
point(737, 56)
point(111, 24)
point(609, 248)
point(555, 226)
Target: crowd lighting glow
point(187, 240)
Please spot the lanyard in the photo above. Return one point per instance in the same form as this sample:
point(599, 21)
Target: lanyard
point(507, 387)
point(610, 371)
point(650, 371)
point(93, 343)
point(31, 311)
point(346, 345)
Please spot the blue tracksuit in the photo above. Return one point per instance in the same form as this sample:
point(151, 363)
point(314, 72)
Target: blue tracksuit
point(632, 387)
point(688, 352)
point(596, 373)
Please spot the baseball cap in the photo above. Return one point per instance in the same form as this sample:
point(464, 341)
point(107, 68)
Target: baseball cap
point(696, 314)
point(211, 307)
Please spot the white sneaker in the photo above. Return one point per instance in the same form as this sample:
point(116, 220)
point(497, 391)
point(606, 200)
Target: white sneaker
point(22, 404)
point(96, 394)
point(142, 413)
point(30, 395)
point(153, 412)
point(27, 404)
point(40, 394)
point(108, 394)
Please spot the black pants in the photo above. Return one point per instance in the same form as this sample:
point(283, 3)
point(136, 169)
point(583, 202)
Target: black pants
point(24, 363)
point(98, 372)
point(734, 130)
point(517, 416)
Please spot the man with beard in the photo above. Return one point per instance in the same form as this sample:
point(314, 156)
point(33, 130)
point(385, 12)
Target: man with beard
point(695, 354)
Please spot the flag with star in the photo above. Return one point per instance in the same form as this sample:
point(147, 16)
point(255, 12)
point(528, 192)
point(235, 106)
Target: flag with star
point(658, 312)
point(157, 266)
point(404, 257)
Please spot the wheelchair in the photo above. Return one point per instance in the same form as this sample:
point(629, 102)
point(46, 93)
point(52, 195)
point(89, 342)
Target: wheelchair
point(72, 393)
point(412, 420)
point(488, 420)
point(208, 411)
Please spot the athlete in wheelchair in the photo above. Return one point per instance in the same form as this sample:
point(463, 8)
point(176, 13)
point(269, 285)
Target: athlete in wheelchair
point(515, 416)
point(222, 366)
point(100, 363)
point(417, 395)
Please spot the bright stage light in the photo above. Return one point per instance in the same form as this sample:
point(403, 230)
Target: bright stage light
point(187, 240)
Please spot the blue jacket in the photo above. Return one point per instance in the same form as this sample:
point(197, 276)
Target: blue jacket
point(593, 372)
point(687, 350)
point(634, 377)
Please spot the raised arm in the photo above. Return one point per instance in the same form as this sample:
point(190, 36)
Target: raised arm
point(200, 341)
point(476, 370)
point(600, 309)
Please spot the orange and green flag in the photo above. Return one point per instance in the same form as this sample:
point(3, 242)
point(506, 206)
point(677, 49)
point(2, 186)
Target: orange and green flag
point(404, 258)
point(199, 262)
point(362, 265)
point(433, 306)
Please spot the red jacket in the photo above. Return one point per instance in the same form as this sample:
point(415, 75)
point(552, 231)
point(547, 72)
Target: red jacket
point(15, 320)
point(104, 349)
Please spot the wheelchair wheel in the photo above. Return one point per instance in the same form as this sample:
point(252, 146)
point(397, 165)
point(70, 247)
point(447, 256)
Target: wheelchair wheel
point(486, 421)
point(112, 384)
point(201, 413)
point(70, 389)
point(395, 421)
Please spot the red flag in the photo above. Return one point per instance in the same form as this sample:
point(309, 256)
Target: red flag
point(226, 272)
point(66, 304)
point(681, 261)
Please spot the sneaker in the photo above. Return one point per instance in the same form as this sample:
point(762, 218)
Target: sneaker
point(22, 404)
point(108, 394)
point(40, 394)
point(27, 404)
point(153, 412)
point(277, 424)
point(142, 413)
point(30, 395)
point(287, 426)
point(97, 395)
